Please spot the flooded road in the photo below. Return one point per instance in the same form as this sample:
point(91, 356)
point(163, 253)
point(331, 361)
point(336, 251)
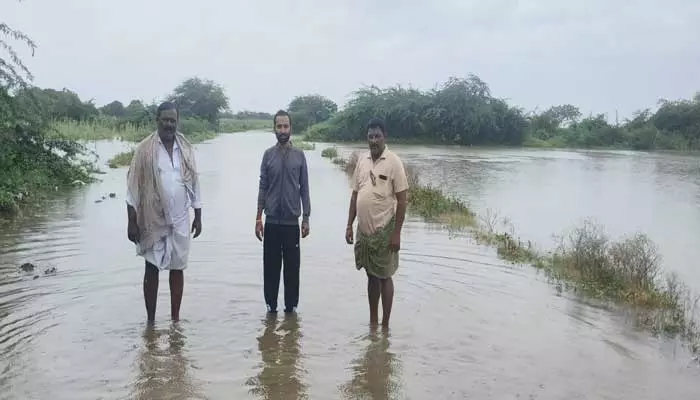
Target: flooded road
point(464, 325)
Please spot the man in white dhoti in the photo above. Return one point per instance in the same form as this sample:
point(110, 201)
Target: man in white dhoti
point(162, 184)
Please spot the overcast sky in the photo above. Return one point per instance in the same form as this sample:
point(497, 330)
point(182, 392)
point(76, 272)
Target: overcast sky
point(601, 55)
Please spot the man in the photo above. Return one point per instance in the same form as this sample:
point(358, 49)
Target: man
point(379, 199)
point(283, 193)
point(162, 185)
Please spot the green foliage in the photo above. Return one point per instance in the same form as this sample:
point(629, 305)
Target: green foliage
point(121, 159)
point(309, 110)
point(105, 128)
point(300, 144)
point(198, 98)
point(249, 115)
point(31, 163)
point(232, 125)
point(463, 111)
point(330, 152)
point(12, 68)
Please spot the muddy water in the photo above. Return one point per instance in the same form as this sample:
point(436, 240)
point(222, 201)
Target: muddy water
point(465, 325)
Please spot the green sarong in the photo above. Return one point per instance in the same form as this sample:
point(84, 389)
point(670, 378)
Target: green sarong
point(372, 252)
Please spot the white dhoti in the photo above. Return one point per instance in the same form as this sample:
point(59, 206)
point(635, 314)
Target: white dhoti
point(171, 252)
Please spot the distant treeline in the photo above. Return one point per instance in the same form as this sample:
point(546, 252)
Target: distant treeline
point(463, 111)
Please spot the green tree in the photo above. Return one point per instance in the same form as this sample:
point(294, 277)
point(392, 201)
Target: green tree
point(114, 109)
point(199, 98)
point(309, 110)
point(28, 160)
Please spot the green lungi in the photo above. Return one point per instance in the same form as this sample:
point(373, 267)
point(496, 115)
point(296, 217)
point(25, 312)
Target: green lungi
point(372, 252)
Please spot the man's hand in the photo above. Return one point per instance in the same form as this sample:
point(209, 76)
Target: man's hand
point(259, 230)
point(132, 232)
point(349, 235)
point(395, 243)
point(304, 229)
point(197, 227)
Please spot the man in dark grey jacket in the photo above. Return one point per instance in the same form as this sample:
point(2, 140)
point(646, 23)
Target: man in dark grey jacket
point(283, 195)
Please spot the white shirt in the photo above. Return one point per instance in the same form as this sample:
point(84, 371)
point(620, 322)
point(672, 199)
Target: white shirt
point(172, 251)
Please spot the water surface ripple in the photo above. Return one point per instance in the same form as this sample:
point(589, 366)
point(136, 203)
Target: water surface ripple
point(465, 324)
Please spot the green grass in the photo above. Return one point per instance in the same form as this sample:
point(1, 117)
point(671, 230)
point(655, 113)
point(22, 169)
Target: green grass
point(626, 272)
point(121, 160)
point(300, 144)
point(195, 130)
point(330, 152)
point(229, 125)
point(97, 130)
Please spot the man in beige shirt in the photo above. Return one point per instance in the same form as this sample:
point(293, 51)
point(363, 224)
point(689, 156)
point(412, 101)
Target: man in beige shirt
point(379, 199)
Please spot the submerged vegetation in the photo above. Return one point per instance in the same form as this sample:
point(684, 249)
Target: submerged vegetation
point(122, 159)
point(626, 272)
point(464, 112)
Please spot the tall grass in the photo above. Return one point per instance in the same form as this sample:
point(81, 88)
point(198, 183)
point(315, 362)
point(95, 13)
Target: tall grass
point(230, 125)
point(102, 129)
point(196, 130)
point(626, 271)
point(121, 160)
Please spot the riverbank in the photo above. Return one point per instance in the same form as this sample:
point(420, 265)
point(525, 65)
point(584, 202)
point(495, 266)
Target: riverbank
point(123, 159)
point(528, 143)
point(33, 171)
point(626, 272)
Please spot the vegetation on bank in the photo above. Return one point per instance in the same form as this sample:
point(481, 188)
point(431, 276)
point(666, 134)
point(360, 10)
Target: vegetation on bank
point(231, 125)
point(32, 163)
point(626, 271)
point(122, 159)
point(464, 112)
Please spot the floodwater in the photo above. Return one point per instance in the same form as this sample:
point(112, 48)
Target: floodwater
point(464, 325)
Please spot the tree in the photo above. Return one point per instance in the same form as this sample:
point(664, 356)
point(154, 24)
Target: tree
point(309, 110)
point(28, 160)
point(11, 69)
point(201, 99)
point(114, 109)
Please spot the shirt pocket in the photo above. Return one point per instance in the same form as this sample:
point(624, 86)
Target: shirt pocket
point(381, 189)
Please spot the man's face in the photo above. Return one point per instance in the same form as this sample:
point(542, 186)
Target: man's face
point(167, 124)
point(376, 140)
point(283, 129)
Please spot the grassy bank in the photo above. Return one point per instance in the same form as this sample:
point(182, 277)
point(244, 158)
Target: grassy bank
point(626, 272)
point(34, 167)
point(111, 129)
point(121, 160)
point(230, 125)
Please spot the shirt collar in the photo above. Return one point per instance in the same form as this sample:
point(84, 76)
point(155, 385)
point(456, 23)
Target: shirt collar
point(381, 156)
point(175, 144)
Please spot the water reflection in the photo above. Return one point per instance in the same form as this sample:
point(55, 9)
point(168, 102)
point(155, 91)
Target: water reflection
point(375, 373)
point(281, 375)
point(163, 373)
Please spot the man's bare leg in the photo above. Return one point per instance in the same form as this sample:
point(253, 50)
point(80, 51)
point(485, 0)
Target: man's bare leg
point(374, 287)
point(150, 290)
point(387, 300)
point(177, 284)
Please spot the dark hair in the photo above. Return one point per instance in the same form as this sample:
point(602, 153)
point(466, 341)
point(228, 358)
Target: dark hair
point(281, 113)
point(377, 122)
point(166, 105)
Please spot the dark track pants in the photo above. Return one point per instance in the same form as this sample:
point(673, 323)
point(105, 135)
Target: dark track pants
point(281, 243)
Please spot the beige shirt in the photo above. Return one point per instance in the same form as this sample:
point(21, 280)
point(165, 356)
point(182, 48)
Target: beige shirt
point(376, 184)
